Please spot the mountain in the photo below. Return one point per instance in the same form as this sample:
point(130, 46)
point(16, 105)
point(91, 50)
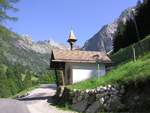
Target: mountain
point(23, 62)
point(42, 47)
point(103, 39)
point(22, 50)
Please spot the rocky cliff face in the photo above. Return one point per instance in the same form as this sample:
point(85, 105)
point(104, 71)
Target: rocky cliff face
point(35, 55)
point(103, 39)
point(42, 47)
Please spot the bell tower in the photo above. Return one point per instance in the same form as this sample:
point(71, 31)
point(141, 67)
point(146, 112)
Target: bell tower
point(72, 39)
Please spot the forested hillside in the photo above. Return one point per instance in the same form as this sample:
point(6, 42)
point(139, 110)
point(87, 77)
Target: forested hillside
point(23, 62)
point(136, 28)
point(20, 68)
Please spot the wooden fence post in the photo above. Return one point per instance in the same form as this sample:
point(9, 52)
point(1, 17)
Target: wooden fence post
point(133, 49)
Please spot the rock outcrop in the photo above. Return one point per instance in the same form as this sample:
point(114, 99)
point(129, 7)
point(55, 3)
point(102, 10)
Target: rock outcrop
point(103, 39)
point(42, 47)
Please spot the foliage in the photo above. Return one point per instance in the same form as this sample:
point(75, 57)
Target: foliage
point(24, 92)
point(124, 73)
point(46, 78)
point(136, 28)
point(12, 81)
point(6, 5)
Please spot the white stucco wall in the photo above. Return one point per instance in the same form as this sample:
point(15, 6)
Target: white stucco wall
point(83, 71)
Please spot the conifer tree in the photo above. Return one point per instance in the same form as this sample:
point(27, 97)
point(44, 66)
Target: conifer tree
point(6, 5)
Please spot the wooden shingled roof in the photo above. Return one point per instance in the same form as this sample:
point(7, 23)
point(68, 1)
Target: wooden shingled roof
point(59, 55)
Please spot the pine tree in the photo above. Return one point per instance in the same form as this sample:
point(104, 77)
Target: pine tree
point(27, 81)
point(6, 5)
point(134, 30)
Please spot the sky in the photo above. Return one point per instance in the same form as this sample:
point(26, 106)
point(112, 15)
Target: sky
point(53, 19)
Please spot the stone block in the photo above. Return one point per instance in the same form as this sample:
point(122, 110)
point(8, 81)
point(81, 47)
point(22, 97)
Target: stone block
point(94, 108)
point(86, 95)
point(79, 98)
point(80, 106)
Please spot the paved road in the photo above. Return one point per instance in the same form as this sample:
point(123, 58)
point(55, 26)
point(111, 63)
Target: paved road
point(12, 106)
point(38, 101)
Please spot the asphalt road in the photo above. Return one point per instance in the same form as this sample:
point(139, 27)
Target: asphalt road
point(13, 106)
point(39, 100)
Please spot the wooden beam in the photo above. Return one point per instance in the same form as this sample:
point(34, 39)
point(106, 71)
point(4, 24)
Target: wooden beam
point(70, 74)
point(57, 82)
point(62, 77)
point(57, 65)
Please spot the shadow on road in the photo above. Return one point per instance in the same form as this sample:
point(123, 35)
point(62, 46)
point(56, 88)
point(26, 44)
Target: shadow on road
point(40, 95)
point(36, 98)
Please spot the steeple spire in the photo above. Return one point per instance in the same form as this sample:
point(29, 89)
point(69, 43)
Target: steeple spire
point(72, 39)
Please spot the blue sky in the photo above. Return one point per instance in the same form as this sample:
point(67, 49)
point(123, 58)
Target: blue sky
point(53, 19)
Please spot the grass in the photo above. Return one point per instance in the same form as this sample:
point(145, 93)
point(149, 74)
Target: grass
point(126, 54)
point(124, 73)
point(65, 107)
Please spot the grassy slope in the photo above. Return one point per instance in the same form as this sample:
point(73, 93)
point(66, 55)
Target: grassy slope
point(126, 54)
point(124, 73)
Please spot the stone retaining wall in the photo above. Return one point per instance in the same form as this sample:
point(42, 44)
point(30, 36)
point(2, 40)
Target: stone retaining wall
point(106, 98)
point(132, 97)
